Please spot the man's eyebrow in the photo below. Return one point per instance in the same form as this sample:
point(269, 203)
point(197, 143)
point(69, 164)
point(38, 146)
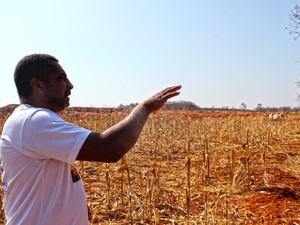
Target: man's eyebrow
point(62, 74)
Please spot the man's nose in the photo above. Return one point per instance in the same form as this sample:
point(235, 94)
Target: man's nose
point(69, 84)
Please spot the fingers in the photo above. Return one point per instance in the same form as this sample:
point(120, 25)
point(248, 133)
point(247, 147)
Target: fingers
point(168, 93)
point(171, 89)
point(171, 92)
point(157, 101)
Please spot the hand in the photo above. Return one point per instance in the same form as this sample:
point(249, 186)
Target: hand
point(158, 100)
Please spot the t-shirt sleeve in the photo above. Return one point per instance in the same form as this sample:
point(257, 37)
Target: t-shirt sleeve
point(45, 135)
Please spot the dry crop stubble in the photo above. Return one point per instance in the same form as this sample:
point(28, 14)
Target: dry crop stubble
point(197, 167)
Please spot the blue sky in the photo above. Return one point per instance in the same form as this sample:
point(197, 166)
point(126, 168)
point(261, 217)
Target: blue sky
point(223, 53)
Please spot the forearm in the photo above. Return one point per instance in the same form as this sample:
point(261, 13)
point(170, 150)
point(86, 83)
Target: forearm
point(121, 137)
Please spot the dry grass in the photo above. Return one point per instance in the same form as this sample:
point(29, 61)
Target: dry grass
point(198, 168)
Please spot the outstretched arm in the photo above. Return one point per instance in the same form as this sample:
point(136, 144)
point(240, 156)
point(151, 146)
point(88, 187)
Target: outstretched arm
point(113, 143)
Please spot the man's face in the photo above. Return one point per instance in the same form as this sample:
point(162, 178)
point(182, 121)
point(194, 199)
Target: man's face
point(57, 89)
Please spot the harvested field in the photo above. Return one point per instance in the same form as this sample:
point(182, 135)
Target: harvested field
point(197, 167)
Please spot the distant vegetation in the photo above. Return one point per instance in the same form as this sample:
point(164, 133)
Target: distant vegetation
point(172, 105)
point(182, 105)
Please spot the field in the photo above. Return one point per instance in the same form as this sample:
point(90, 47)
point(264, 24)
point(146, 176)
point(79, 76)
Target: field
point(197, 167)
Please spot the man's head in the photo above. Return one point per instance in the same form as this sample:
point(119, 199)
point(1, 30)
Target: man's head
point(42, 82)
point(32, 66)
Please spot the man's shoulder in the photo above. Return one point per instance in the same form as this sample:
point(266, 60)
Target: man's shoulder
point(28, 110)
point(28, 113)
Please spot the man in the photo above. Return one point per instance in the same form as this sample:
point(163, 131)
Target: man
point(38, 148)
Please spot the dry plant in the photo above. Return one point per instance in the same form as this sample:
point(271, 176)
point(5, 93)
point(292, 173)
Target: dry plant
point(197, 167)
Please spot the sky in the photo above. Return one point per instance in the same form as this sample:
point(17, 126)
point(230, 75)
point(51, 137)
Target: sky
point(223, 53)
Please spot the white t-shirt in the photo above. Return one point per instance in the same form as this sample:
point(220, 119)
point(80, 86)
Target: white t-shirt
point(37, 150)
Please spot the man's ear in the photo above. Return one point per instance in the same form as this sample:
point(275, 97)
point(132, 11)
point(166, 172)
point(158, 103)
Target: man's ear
point(37, 85)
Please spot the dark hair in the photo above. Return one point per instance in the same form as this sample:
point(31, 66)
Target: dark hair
point(35, 65)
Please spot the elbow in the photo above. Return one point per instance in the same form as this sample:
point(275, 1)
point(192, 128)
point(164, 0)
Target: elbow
point(99, 148)
point(116, 154)
point(114, 158)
